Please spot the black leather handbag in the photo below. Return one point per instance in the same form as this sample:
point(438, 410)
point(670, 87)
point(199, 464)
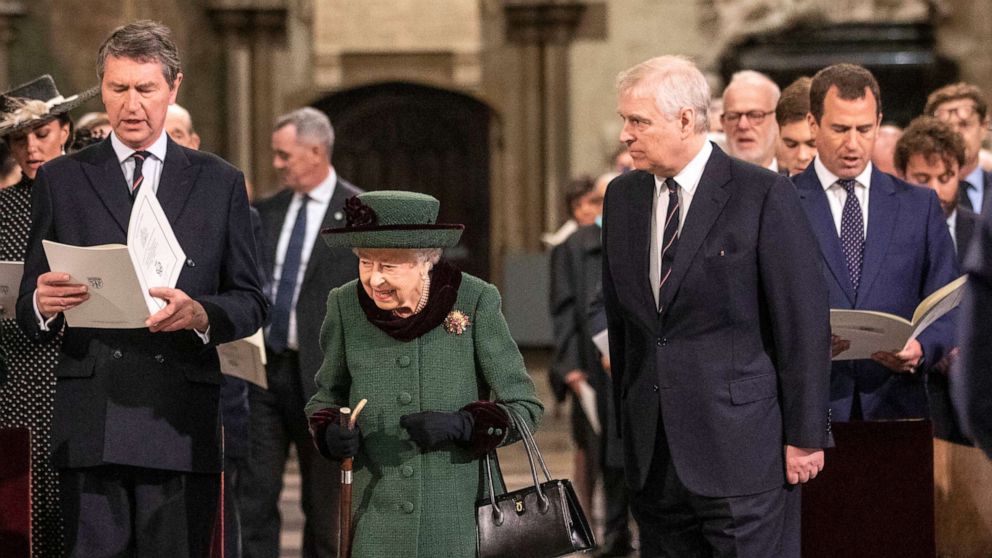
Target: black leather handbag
point(540, 521)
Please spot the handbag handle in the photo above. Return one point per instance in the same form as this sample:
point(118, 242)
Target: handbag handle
point(531, 448)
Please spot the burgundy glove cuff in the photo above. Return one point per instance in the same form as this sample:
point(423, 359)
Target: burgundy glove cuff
point(318, 426)
point(492, 424)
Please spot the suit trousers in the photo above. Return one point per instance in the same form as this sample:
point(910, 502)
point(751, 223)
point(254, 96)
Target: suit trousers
point(278, 421)
point(676, 523)
point(119, 510)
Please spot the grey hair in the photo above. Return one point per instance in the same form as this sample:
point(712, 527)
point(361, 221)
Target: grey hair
point(181, 112)
point(143, 41)
point(674, 82)
point(753, 78)
point(311, 125)
point(429, 255)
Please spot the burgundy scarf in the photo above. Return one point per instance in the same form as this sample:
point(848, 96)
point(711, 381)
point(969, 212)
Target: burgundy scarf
point(445, 280)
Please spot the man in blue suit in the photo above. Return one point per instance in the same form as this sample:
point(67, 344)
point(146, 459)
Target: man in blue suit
point(884, 243)
point(136, 428)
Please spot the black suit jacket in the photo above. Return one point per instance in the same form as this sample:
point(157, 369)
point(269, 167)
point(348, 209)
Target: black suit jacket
point(738, 361)
point(129, 396)
point(326, 269)
point(971, 382)
point(964, 230)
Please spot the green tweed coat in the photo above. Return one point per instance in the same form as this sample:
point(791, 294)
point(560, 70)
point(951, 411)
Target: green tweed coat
point(408, 502)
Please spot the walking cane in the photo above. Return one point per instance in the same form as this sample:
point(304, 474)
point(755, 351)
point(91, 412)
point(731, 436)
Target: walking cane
point(344, 512)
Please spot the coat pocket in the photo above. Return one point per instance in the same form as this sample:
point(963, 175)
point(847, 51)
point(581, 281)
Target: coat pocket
point(753, 389)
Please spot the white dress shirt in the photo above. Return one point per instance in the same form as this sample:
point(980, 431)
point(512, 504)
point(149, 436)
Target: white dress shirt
point(837, 195)
point(320, 199)
point(688, 179)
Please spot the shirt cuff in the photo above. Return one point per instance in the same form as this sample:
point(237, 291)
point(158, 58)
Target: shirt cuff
point(42, 322)
point(205, 336)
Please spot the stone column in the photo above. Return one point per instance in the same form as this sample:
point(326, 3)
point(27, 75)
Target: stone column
point(10, 10)
point(250, 28)
point(542, 31)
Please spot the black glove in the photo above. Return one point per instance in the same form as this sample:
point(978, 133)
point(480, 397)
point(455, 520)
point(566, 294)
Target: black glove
point(430, 429)
point(341, 442)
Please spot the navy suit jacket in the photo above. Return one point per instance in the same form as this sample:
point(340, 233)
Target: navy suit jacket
point(737, 363)
point(327, 268)
point(908, 254)
point(129, 396)
point(971, 382)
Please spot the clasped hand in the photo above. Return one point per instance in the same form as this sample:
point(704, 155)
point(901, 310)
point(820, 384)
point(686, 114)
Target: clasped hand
point(802, 464)
point(430, 429)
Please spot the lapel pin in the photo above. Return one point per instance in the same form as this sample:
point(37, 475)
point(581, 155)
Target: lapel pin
point(722, 253)
point(338, 216)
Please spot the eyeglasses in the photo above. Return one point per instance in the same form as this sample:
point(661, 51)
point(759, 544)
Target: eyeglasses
point(753, 116)
point(962, 113)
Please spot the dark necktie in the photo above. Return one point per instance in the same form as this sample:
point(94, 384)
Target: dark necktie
point(137, 177)
point(964, 200)
point(670, 240)
point(279, 328)
point(852, 232)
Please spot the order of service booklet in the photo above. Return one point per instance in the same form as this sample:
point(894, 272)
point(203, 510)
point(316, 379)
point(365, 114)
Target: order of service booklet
point(870, 331)
point(10, 283)
point(118, 276)
point(245, 359)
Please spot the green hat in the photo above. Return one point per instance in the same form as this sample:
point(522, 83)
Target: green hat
point(393, 219)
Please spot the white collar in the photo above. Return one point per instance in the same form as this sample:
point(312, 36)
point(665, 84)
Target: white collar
point(157, 149)
point(323, 192)
point(690, 175)
point(828, 179)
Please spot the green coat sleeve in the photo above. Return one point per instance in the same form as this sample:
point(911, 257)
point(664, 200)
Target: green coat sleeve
point(501, 363)
point(333, 380)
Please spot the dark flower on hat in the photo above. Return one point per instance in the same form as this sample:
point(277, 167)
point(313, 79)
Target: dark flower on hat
point(358, 214)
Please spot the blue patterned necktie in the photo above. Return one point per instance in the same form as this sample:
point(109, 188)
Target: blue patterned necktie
point(852, 232)
point(279, 328)
point(670, 240)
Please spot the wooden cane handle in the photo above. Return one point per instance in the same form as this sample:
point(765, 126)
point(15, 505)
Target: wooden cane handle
point(354, 415)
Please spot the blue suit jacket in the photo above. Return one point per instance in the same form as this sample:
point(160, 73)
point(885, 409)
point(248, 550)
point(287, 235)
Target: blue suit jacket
point(908, 255)
point(737, 363)
point(129, 396)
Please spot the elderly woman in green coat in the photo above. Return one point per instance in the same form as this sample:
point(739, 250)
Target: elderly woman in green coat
point(428, 347)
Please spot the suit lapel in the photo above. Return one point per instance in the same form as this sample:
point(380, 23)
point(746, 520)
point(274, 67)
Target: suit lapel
point(333, 218)
point(814, 198)
point(107, 179)
point(176, 181)
point(883, 207)
point(707, 204)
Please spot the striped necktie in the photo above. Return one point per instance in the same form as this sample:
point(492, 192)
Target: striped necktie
point(670, 240)
point(137, 177)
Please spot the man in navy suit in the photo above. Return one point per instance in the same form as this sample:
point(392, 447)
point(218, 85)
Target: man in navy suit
point(884, 244)
point(719, 340)
point(136, 430)
point(971, 384)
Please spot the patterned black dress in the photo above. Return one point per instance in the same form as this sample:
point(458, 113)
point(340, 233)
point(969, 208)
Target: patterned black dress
point(27, 397)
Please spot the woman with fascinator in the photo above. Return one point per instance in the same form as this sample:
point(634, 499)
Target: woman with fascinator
point(35, 124)
point(429, 349)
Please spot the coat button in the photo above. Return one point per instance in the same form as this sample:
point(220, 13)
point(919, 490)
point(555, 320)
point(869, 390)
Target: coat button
point(498, 432)
point(405, 398)
point(406, 471)
point(655, 388)
point(117, 354)
point(159, 359)
point(403, 361)
point(491, 431)
point(659, 342)
point(408, 507)
point(190, 262)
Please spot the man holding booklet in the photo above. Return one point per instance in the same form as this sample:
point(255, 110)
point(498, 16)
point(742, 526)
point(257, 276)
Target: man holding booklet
point(136, 425)
point(885, 248)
